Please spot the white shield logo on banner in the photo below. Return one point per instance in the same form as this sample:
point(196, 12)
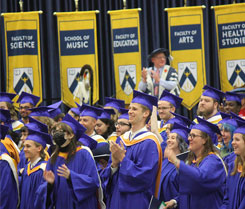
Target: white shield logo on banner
point(73, 78)
point(236, 72)
point(23, 80)
point(127, 78)
point(187, 73)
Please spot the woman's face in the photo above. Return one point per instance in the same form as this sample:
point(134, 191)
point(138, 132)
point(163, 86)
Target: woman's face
point(226, 136)
point(101, 127)
point(172, 142)
point(196, 141)
point(238, 144)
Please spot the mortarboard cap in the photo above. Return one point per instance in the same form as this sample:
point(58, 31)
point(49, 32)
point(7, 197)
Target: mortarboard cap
point(144, 99)
point(183, 131)
point(241, 126)
point(226, 118)
point(36, 125)
point(3, 131)
point(179, 119)
point(40, 111)
point(55, 109)
point(213, 93)
point(124, 114)
point(77, 128)
point(207, 127)
point(239, 90)
point(173, 99)
point(5, 116)
point(106, 114)
point(91, 111)
point(158, 51)
point(28, 98)
point(76, 109)
point(6, 97)
point(88, 141)
point(112, 102)
point(231, 96)
point(102, 151)
point(40, 137)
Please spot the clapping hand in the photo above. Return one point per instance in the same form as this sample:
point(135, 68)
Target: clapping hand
point(117, 153)
point(63, 171)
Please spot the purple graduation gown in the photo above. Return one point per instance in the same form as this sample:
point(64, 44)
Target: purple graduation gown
point(235, 191)
point(8, 186)
point(80, 191)
point(169, 184)
point(134, 182)
point(203, 186)
point(29, 183)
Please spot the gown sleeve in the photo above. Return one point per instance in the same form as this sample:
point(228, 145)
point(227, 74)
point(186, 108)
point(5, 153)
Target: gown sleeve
point(137, 175)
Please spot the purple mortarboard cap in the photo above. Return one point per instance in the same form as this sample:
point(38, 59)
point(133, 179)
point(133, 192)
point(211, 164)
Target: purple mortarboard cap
point(88, 141)
point(5, 116)
point(173, 99)
point(106, 114)
point(28, 98)
point(179, 119)
point(76, 109)
point(36, 125)
point(158, 51)
point(102, 151)
point(112, 102)
point(207, 127)
point(124, 114)
point(144, 99)
point(241, 126)
point(213, 93)
point(6, 97)
point(183, 131)
point(231, 96)
point(40, 111)
point(40, 137)
point(91, 111)
point(226, 118)
point(77, 128)
point(3, 131)
point(55, 109)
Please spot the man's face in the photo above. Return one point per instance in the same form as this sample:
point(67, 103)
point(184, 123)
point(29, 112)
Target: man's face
point(159, 60)
point(136, 114)
point(206, 106)
point(232, 106)
point(122, 125)
point(164, 109)
point(88, 122)
point(3, 105)
point(24, 112)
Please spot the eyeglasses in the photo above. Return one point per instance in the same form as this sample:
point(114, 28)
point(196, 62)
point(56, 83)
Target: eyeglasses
point(192, 136)
point(121, 124)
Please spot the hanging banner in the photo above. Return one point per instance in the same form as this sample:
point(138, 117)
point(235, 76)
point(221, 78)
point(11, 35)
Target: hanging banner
point(230, 30)
point(23, 59)
point(77, 35)
point(125, 32)
point(186, 45)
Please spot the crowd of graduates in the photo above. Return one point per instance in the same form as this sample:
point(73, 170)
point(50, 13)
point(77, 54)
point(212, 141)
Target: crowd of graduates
point(146, 156)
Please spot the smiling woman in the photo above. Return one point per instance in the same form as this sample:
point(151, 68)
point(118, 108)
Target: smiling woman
point(235, 186)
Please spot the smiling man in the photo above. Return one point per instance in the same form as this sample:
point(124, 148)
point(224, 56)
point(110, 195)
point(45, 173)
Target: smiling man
point(133, 175)
point(26, 101)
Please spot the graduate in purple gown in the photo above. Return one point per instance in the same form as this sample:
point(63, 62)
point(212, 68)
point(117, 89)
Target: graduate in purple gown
point(169, 184)
point(9, 195)
point(32, 175)
point(133, 174)
point(235, 185)
point(72, 180)
point(202, 179)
